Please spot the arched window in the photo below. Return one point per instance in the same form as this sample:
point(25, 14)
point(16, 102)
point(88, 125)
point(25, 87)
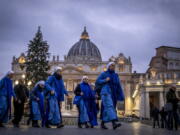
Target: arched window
point(171, 64)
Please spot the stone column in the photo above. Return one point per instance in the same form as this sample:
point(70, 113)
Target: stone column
point(128, 100)
point(142, 105)
point(147, 105)
point(161, 99)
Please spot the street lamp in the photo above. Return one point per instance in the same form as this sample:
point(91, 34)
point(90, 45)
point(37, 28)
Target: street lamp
point(16, 82)
point(178, 83)
point(148, 83)
point(29, 83)
point(23, 76)
point(158, 83)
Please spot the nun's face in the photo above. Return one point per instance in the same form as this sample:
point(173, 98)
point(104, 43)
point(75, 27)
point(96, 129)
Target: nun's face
point(112, 67)
point(59, 72)
point(85, 80)
point(11, 76)
point(41, 86)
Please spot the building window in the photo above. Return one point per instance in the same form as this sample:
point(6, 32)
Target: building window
point(93, 68)
point(80, 68)
point(170, 65)
point(178, 75)
point(121, 61)
point(169, 76)
point(121, 68)
point(69, 104)
point(22, 60)
point(159, 76)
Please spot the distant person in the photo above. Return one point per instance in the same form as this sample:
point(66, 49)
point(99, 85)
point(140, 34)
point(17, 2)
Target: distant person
point(163, 115)
point(155, 116)
point(172, 101)
point(22, 94)
point(6, 93)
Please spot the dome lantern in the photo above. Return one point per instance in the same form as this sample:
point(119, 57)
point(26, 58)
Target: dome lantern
point(84, 34)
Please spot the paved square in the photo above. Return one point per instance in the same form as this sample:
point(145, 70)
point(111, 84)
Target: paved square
point(126, 129)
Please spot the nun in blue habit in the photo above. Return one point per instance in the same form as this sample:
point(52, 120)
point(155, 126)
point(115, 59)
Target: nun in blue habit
point(56, 83)
point(85, 102)
point(6, 93)
point(37, 104)
point(111, 92)
point(53, 116)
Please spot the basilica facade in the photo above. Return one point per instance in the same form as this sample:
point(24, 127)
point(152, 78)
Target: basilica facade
point(140, 89)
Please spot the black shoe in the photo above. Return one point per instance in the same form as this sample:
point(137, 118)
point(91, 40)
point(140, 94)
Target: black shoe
point(16, 125)
point(92, 126)
point(28, 122)
point(60, 126)
point(79, 125)
point(47, 126)
point(86, 125)
point(1, 125)
point(116, 125)
point(170, 129)
point(36, 126)
point(103, 126)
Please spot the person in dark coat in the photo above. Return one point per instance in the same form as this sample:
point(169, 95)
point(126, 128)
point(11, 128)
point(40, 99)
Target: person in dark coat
point(163, 115)
point(172, 114)
point(22, 94)
point(155, 115)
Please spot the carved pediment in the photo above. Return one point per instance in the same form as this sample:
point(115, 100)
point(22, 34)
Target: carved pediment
point(72, 70)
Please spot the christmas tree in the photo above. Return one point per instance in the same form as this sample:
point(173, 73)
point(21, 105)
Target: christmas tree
point(37, 63)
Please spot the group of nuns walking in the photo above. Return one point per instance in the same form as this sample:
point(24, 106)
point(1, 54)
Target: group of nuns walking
point(47, 96)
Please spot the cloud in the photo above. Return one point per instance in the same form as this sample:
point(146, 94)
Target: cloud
point(133, 27)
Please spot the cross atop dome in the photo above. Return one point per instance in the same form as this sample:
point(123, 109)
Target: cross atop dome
point(84, 34)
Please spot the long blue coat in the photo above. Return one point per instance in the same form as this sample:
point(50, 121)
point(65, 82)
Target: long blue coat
point(6, 93)
point(114, 85)
point(52, 111)
point(58, 86)
point(108, 110)
point(111, 92)
point(37, 107)
point(83, 116)
point(89, 100)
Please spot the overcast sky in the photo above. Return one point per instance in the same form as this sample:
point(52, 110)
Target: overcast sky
point(132, 27)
